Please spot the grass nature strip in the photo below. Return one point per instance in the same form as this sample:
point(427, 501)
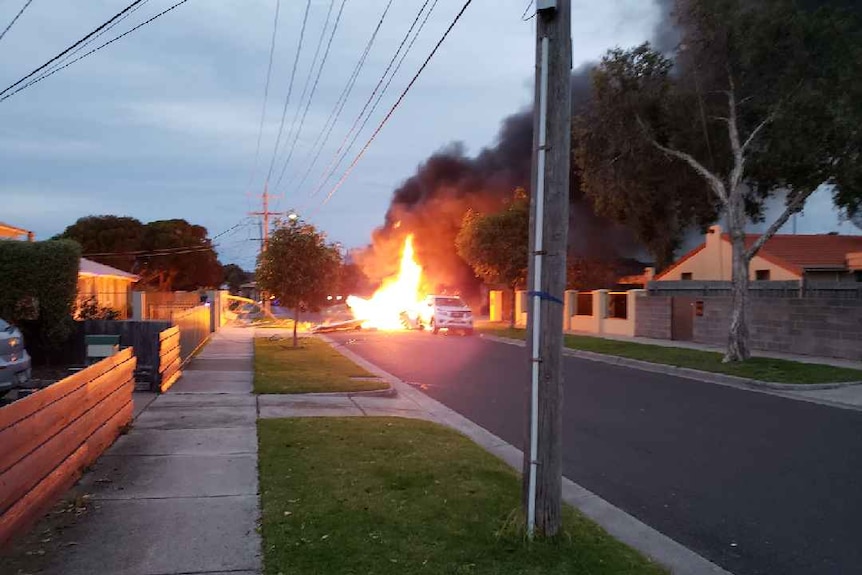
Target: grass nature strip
point(313, 367)
point(758, 368)
point(394, 496)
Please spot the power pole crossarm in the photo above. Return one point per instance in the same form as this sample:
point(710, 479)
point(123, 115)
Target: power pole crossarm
point(549, 225)
point(264, 232)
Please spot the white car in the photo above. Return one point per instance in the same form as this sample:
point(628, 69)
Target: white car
point(446, 312)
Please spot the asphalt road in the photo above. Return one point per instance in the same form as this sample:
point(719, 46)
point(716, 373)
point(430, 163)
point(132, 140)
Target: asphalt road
point(756, 483)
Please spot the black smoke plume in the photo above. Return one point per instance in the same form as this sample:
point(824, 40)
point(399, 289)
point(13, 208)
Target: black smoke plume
point(431, 204)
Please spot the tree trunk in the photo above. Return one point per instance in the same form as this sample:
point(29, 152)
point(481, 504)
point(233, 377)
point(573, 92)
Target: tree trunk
point(512, 321)
point(295, 324)
point(737, 342)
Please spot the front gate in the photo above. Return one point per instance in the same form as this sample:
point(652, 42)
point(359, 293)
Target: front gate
point(682, 318)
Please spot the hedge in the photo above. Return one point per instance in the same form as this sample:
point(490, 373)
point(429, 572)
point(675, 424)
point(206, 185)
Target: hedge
point(38, 285)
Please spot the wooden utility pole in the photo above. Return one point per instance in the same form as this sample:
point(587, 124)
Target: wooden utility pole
point(264, 213)
point(264, 232)
point(549, 227)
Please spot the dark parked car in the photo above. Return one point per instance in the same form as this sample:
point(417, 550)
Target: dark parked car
point(14, 359)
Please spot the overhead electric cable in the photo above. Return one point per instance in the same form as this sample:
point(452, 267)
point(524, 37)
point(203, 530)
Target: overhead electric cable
point(345, 147)
point(265, 92)
point(342, 100)
point(396, 104)
point(60, 63)
point(311, 95)
point(289, 90)
point(308, 76)
point(73, 46)
point(93, 51)
point(15, 19)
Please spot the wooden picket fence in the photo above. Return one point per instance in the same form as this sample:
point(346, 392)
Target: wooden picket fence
point(170, 358)
point(48, 438)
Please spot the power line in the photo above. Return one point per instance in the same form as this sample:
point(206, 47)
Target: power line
point(153, 253)
point(172, 251)
point(342, 100)
point(64, 52)
point(310, 74)
point(311, 95)
point(289, 90)
point(397, 103)
point(345, 147)
point(55, 67)
point(15, 19)
point(93, 51)
point(527, 9)
point(265, 92)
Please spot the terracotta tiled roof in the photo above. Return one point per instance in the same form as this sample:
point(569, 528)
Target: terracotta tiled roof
point(807, 252)
point(795, 253)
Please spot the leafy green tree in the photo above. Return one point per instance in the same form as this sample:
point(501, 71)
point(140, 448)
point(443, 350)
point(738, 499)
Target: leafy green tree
point(765, 100)
point(234, 276)
point(108, 235)
point(299, 267)
point(168, 254)
point(495, 245)
point(179, 256)
point(628, 180)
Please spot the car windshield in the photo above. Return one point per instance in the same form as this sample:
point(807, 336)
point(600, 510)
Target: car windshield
point(449, 302)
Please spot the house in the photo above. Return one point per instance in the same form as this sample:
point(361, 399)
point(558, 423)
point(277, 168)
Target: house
point(814, 258)
point(8, 232)
point(109, 286)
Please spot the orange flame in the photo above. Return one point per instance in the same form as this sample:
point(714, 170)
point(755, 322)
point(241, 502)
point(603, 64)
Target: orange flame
point(398, 295)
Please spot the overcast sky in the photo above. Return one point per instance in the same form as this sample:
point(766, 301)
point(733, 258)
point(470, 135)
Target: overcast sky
point(164, 123)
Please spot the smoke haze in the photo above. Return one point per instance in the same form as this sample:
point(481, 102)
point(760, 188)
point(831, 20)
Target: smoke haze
point(431, 204)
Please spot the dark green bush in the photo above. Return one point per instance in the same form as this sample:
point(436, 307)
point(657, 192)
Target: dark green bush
point(38, 285)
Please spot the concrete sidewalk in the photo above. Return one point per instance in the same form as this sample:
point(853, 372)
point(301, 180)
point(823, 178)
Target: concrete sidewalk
point(178, 493)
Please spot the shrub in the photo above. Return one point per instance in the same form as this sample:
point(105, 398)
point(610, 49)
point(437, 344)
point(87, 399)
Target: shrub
point(38, 284)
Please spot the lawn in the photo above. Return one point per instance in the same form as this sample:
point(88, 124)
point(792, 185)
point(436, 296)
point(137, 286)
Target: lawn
point(759, 368)
point(314, 367)
point(394, 496)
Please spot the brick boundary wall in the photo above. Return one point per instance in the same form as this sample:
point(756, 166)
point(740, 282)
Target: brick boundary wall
point(805, 326)
point(653, 317)
point(830, 328)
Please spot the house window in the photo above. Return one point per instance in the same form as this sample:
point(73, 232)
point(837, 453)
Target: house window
point(686, 276)
point(761, 275)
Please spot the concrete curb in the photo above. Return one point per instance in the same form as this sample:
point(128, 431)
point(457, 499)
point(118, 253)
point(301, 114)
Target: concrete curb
point(660, 548)
point(388, 392)
point(686, 372)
